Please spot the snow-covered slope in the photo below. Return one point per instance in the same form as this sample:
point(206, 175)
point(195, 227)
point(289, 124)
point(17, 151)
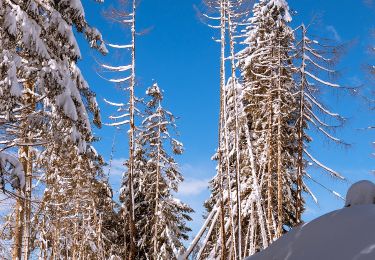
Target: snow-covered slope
point(346, 234)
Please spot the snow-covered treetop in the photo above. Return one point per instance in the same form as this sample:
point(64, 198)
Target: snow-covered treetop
point(282, 6)
point(270, 22)
point(155, 92)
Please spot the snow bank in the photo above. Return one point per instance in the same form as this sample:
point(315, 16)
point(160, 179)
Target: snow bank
point(346, 234)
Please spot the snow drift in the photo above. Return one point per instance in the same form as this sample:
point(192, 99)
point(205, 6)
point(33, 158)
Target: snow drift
point(345, 234)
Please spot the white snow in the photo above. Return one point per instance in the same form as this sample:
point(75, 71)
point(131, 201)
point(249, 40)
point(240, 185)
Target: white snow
point(16, 169)
point(345, 234)
point(119, 80)
point(116, 46)
point(361, 193)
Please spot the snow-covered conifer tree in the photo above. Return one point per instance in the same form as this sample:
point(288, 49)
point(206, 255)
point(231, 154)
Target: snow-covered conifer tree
point(161, 218)
point(40, 83)
point(270, 104)
point(226, 221)
point(74, 207)
point(263, 132)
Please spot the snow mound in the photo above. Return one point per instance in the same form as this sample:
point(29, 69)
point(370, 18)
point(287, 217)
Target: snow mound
point(360, 193)
point(346, 234)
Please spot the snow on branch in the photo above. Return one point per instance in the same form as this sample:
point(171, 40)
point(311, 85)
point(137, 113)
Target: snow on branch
point(201, 232)
point(311, 193)
point(322, 81)
point(118, 117)
point(321, 107)
point(116, 68)
point(335, 193)
point(114, 104)
point(122, 80)
point(329, 170)
point(116, 46)
point(125, 122)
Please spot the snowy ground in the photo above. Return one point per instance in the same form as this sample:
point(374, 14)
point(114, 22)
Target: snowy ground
point(346, 234)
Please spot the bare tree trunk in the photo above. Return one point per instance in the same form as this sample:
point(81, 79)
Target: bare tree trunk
point(29, 100)
point(23, 203)
point(279, 154)
point(18, 229)
point(155, 253)
point(300, 163)
point(225, 130)
point(132, 228)
point(236, 130)
point(221, 116)
point(27, 203)
point(269, 174)
point(257, 191)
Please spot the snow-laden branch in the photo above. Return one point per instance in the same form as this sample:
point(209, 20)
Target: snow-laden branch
point(311, 193)
point(121, 80)
point(113, 103)
point(320, 106)
point(335, 193)
point(322, 81)
point(329, 170)
point(125, 122)
point(117, 46)
point(116, 68)
point(118, 117)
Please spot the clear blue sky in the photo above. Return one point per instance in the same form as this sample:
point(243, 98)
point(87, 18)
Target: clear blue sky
point(179, 53)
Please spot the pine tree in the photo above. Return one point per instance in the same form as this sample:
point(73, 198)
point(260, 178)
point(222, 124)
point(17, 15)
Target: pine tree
point(223, 229)
point(40, 83)
point(71, 223)
point(161, 218)
point(270, 104)
point(263, 131)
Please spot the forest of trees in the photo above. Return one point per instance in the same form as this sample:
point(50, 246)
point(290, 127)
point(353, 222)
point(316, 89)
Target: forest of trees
point(60, 202)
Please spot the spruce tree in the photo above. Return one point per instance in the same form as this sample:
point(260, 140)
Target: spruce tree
point(41, 85)
point(265, 116)
point(161, 218)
